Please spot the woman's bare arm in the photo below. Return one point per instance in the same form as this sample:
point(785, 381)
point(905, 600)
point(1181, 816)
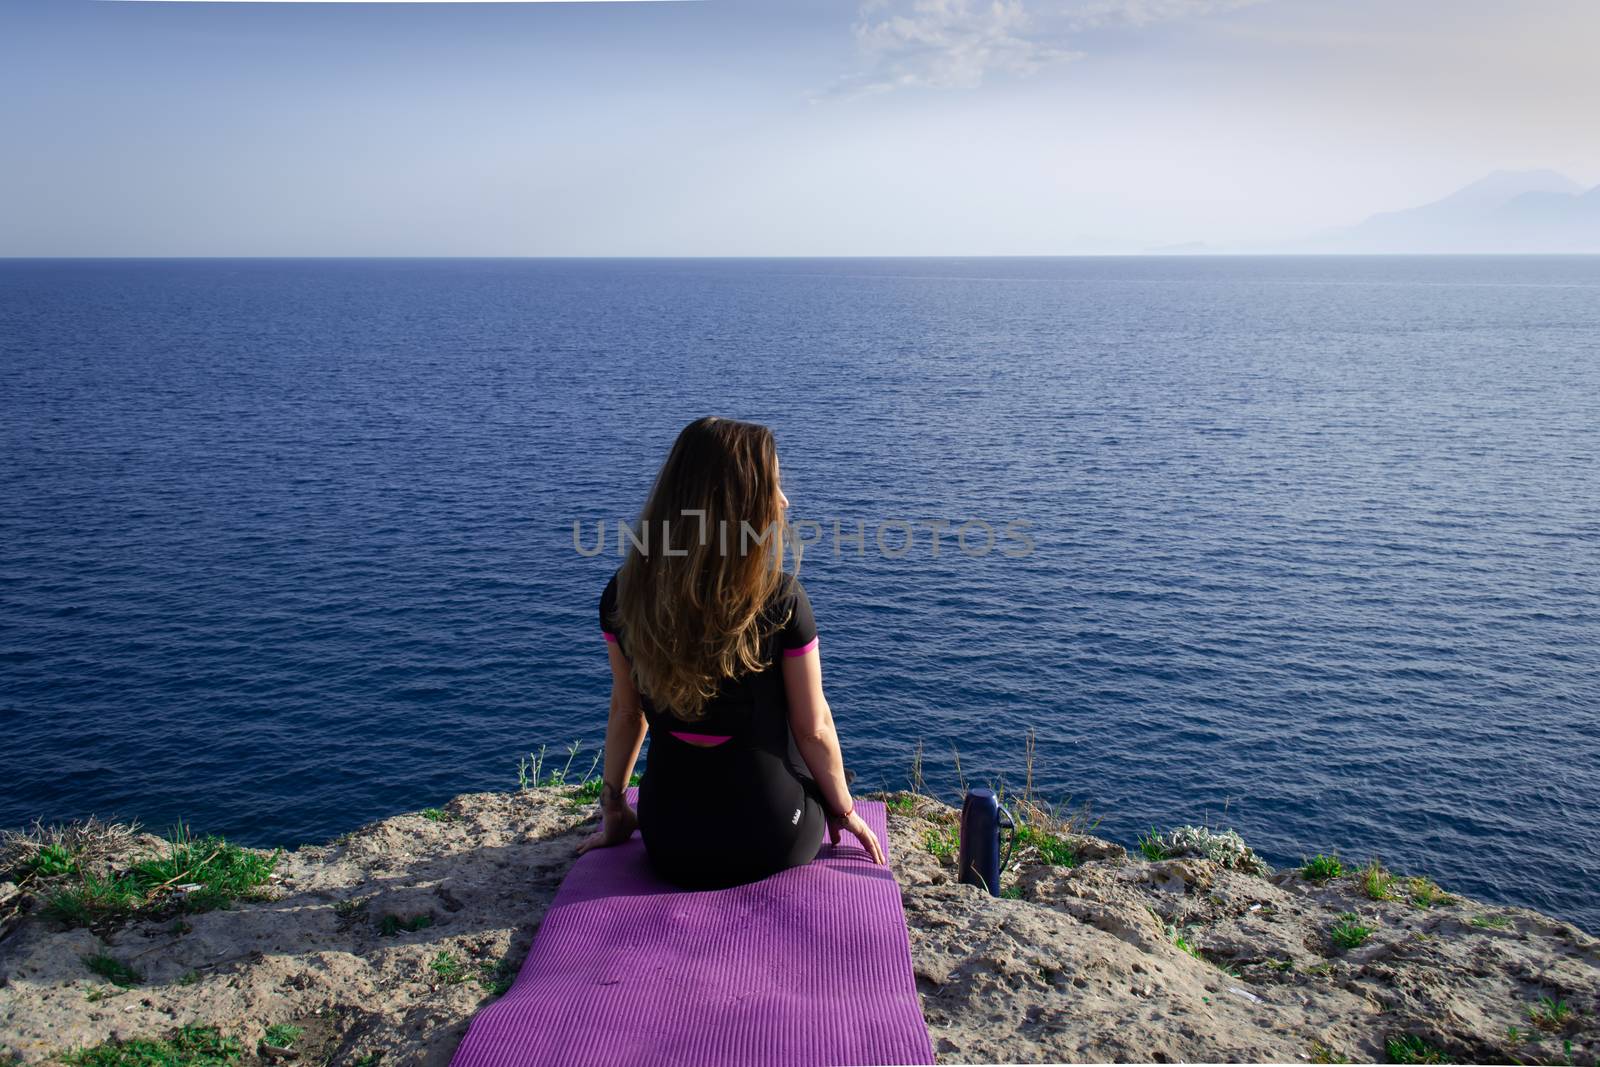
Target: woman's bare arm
point(625, 729)
point(811, 721)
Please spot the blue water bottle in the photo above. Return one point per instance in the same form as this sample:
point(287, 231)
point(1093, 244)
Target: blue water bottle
point(979, 857)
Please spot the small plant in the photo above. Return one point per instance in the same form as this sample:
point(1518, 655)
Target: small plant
point(95, 898)
point(282, 1035)
point(112, 969)
point(189, 978)
point(1321, 1053)
point(192, 1046)
point(1320, 868)
point(223, 871)
point(531, 773)
point(52, 860)
point(1376, 883)
point(1515, 1035)
point(1550, 1013)
point(943, 842)
point(1409, 1048)
point(1052, 848)
point(1224, 847)
point(1151, 848)
point(200, 874)
point(528, 769)
point(588, 791)
point(67, 848)
point(1492, 922)
point(1177, 938)
point(903, 804)
point(392, 925)
point(496, 977)
point(369, 1060)
point(447, 969)
point(351, 910)
point(1012, 892)
point(1425, 893)
point(435, 814)
point(1347, 933)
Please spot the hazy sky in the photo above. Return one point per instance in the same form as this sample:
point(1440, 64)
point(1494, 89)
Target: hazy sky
point(749, 127)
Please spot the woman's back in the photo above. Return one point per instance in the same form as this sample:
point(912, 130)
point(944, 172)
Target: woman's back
point(737, 759)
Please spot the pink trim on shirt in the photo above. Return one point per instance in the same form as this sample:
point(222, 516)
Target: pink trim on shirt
point(717, 738)
point(802, 650)
point(609, 636)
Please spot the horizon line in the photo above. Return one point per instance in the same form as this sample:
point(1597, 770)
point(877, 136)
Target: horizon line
point(768, 256)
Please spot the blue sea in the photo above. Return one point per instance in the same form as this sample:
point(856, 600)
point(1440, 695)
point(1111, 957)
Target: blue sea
point(1306, 547)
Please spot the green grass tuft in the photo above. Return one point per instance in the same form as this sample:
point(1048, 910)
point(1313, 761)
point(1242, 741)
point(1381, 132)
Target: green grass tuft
point(1182, 942)
point(1052, 848)
point(222, 871)
point(94, 899)
point(904, 804)
point(192, 1046)
point(1348, 934)
point(436, 815)
point(1376, 883)
point(1550, 1013)
point(1151, 848)
point(52, 860)
point(447, 969)
point(283, 1035)
point(496, 977)
point(1425, 893)
point(1321, 1053)
point(112, 969)
point(588, 791)
point(392, 925)
point(1320, 868)
point(1492, 922)
point(943, 842)
point(1409, 1048)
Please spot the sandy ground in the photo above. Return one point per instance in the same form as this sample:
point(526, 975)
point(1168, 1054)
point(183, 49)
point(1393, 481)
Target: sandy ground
point(1083, 966)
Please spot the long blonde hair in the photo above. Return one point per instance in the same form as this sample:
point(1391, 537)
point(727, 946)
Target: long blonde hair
point(705, 560)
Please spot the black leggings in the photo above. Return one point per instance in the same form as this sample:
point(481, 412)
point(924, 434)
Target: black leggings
point(725, 815)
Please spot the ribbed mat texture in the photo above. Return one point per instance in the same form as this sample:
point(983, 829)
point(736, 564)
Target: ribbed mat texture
point(810, 966)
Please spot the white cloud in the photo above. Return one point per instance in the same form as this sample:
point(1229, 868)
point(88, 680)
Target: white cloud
point(947, 44)
point(955, 44)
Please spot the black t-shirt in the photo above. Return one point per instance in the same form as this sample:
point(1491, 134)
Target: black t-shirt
point(753, 708)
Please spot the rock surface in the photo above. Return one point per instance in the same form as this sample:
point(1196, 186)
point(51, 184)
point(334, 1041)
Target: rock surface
point(1085, 963)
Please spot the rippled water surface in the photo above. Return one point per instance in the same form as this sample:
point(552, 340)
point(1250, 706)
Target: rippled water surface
point(287, 545)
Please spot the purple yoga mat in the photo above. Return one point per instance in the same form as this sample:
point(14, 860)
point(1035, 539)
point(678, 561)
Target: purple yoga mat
point(810, 966)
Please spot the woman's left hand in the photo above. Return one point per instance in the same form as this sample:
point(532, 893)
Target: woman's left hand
point(616, 826)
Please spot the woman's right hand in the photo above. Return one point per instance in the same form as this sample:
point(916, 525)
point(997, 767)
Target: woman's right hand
point(855, 824)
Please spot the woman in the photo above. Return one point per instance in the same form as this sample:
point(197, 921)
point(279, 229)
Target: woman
point(714, 645)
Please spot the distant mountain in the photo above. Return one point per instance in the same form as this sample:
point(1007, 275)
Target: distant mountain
point(1509, 211)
